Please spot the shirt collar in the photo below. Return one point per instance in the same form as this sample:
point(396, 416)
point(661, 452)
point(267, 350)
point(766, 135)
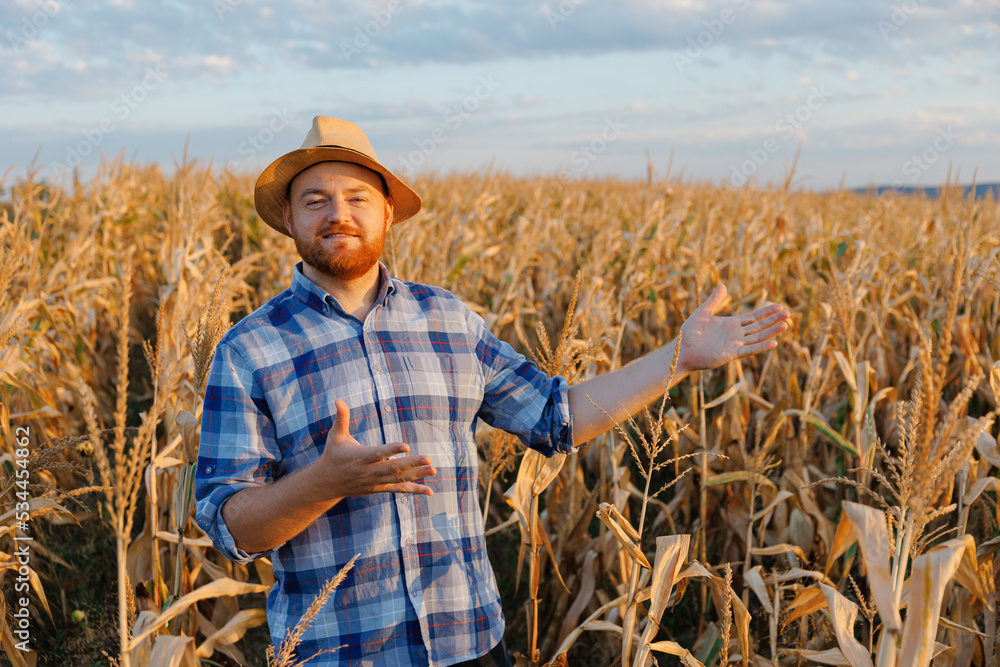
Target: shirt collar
point(316, 297)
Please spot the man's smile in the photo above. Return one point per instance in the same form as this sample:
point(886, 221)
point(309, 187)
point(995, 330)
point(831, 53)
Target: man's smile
point(335, 235)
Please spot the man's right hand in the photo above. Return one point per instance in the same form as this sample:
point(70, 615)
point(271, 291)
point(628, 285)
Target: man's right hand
point(264, 517)
point(354, 470)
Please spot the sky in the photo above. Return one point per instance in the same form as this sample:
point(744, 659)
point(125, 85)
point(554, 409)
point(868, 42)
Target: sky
point(726, 91)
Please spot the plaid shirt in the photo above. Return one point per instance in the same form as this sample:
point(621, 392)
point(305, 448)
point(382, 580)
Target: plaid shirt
point(420, 369)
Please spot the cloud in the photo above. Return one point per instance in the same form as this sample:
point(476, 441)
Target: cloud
point(566, 66)
point(45, 41)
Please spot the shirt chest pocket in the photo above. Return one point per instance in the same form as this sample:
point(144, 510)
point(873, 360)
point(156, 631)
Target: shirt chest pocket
point(431, 396)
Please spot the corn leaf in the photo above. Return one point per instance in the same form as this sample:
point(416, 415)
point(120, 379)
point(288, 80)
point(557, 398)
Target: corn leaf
point(736, 476)
point(807, 601)
point(673, 648)
point(172, 651)
point(995, 380)
point(843, 613)
point(233, 630)
point(757, 585)
point(671, 553)
point(872, 533)
point(622, 536)
point(778, 549)
point(741, 616)
point(780, 498)
point(967, 574)
point(831, 656)
point(820, 425)
point(219, 587)
point(930, 575)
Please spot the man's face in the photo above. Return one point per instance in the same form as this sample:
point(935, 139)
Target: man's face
point(338, 216)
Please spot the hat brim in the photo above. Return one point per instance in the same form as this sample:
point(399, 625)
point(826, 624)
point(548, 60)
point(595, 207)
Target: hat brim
point(269, 193)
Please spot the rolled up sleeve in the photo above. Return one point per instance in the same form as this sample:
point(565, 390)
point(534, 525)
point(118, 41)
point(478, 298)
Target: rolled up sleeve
point(237, 446)
point(519, 398)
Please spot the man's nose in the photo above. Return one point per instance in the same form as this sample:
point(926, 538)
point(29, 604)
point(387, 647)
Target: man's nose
point(338, 210)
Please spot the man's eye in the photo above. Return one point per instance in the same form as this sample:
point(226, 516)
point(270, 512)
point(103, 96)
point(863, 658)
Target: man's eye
point(314, 201)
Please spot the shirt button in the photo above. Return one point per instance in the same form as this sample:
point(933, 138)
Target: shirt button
point(209, 470)
point(386, 407)
point(376, 367)
point(409, 543)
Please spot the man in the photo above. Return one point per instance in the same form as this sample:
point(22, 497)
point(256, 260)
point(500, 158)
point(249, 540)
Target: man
point(339, 420)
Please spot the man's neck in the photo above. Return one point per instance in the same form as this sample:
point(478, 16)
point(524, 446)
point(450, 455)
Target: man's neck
point(356, 295)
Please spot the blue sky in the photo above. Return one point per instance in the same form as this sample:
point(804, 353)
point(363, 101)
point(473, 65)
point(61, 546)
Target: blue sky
point(875, 92)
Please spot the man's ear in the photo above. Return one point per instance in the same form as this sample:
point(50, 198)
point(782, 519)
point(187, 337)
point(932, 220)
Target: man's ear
point(388, 213)
point(286, 216)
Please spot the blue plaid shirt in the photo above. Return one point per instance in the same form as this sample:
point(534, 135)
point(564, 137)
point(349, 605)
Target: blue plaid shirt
point(420, 369)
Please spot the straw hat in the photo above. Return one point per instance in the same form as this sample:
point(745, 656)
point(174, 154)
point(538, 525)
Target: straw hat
point(330, 139)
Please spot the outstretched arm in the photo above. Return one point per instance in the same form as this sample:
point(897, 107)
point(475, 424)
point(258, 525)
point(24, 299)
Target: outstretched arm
point(707, 341)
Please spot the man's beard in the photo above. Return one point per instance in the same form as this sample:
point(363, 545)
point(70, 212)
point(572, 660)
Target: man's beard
point(344, 265)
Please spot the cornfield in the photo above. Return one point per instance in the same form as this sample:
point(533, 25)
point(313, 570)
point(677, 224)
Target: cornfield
point(833, 501)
